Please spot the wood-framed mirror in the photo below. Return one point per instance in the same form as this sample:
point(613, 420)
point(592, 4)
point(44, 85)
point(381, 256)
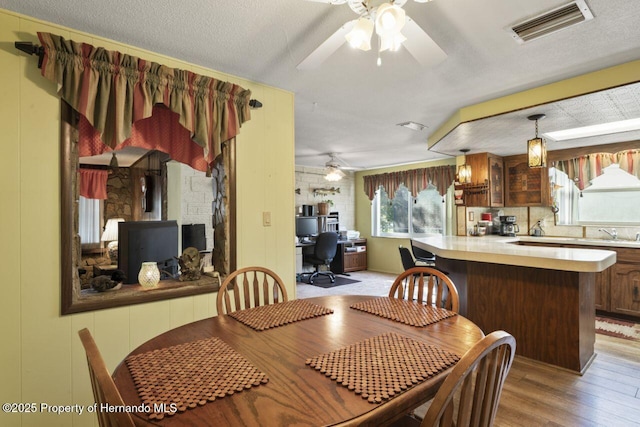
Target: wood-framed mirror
point(75, 298)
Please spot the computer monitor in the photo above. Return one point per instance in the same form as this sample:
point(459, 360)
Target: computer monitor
point(143, 241)
point(306, 226)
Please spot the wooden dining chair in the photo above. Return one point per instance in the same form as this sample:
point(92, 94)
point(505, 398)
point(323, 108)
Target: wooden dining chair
point(470, 395)
point(251, 287)
point(104, 389)
point(426, 284)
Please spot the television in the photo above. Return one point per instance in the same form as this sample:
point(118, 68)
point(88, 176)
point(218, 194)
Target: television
point(306, 226)
point(193, 235)
point(144, 241)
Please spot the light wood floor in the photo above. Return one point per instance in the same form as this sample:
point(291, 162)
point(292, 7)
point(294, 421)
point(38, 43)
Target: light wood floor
point(536, 394)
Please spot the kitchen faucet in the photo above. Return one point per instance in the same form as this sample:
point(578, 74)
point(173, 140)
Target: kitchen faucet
point(638, 237)
point(613, 233)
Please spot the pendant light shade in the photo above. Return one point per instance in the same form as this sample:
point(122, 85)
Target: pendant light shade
point(464, 171)
point(360, 35)
point(536, 147)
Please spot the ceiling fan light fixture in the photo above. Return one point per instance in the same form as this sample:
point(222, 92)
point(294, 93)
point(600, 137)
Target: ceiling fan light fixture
point(389, 19)
point(391, 42)
point(360, 35)
point(334, 174)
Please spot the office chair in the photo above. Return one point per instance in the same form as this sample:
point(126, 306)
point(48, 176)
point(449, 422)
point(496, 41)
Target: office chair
point(406, 258)
point(422, 256)
point(325, 249)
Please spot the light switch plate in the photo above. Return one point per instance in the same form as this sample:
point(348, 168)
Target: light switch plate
point(266, 219)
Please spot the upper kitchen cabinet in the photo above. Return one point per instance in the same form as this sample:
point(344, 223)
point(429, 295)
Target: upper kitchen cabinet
point(525, 186)
point(487, 181)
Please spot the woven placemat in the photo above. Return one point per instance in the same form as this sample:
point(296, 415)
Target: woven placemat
point(408, 312)
point(380, 367)
point(174, 379)
point(274, 315)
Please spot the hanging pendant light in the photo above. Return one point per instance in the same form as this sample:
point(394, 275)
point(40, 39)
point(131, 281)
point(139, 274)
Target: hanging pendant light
point(464, 170)
point(114, 162)
point(537, 147)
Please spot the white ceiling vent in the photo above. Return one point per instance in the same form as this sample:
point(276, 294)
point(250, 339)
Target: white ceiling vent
point(551, 21)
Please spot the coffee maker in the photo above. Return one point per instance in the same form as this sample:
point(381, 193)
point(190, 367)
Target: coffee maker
point(508, 226)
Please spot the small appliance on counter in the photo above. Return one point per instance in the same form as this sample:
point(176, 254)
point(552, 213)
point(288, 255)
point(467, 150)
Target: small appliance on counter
point(508, 226)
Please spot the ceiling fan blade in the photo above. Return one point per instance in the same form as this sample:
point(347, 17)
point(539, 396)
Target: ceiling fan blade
point(421, 46)
point(326, 49)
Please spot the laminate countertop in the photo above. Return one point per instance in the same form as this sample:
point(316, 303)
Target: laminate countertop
point(507, 251)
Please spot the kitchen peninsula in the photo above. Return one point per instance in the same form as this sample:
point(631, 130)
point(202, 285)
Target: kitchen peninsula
point(544, 296)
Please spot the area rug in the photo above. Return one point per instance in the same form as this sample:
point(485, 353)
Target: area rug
point(324, 282)
point(618, 328)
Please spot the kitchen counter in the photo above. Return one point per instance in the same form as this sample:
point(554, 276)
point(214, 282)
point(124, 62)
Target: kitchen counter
point(609, 243)
point(543, 296)
point(506, 250)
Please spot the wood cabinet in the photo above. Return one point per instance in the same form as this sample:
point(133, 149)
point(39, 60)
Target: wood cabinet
point(487, 181)
point(351, 256)
point(525, 186)
point(617, 289)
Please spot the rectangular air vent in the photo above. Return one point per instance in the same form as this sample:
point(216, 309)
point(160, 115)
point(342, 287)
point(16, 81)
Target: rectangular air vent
point(551, 21)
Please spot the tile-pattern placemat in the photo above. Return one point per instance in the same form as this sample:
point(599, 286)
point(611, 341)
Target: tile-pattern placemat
point(408, 312)
point(380, 367)
point(274, 315)
point(189, 375)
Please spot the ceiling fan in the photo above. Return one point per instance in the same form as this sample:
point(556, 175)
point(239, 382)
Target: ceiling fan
point(393, 27)
point(334, 168)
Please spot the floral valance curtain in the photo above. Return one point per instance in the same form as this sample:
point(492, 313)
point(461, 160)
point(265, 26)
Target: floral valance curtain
point(585, 168)
point(113, 90)
point(415, 180)
point(93, 183)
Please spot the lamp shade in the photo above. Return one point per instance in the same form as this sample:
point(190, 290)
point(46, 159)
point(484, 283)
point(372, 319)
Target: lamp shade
point(360, 35)
point(464, 174)
point(111, 230)
point(536, 153)
point(391, 42)
point(389, 19)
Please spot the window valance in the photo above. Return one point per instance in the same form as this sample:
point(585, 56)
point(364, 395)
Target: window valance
point(113, 90)
point(93, 183)
point(415, 180)
point(585, 168)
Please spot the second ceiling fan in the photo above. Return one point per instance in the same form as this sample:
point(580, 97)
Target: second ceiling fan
point(393, 27)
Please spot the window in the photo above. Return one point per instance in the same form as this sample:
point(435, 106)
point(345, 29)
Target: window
point(408, 216)
point(89, 224)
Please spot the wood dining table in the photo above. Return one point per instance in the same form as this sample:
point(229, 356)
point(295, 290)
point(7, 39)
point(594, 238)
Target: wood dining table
point(289, 369)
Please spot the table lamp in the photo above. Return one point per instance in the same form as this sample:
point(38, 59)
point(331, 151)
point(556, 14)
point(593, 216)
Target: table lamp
point(110, 235)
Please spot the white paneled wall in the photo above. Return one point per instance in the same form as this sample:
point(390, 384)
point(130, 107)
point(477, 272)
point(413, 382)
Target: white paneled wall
point(308, 179)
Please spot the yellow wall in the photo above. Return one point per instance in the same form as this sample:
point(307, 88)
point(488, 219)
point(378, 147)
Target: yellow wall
point(382, 252)
point(42, 360)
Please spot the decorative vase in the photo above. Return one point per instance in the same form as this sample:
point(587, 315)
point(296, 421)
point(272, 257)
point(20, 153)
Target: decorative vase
point(323, 208)
point(149, 275)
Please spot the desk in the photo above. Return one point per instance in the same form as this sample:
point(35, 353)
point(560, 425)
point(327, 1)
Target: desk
point(346, 259)
point(297, 394)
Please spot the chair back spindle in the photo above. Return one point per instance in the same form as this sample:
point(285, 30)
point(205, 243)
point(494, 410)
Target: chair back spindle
point(251, 287)
point(475, 383)
point(428, 285)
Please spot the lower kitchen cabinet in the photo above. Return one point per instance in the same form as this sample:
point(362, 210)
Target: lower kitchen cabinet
point(617, 289)
point(625, 289)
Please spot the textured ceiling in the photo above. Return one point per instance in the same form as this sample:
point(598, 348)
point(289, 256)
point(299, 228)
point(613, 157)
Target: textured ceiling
point(350, 106)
